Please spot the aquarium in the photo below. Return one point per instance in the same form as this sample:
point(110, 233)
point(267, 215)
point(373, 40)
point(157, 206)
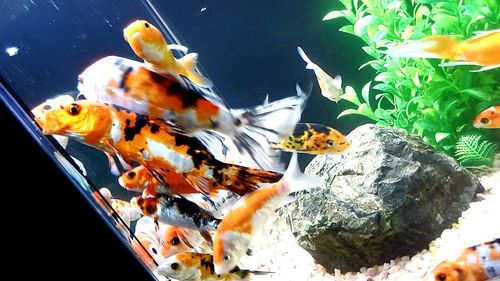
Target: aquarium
point(271, 140)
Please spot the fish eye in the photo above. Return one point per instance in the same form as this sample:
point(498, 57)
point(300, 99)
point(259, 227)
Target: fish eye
point(175, 241)
point(174, 266)
point(441, 277)
point(226, 258)
point(154, 251)
point(330, 143)
point(131, 175)
point(146, 25)
point(484, 120)
point(47, 107)
point(74, 109)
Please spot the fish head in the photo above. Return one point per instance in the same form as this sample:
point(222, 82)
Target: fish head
point(326, 140)
point(147, 206)
point(50, 104)
point(141, 32)
point(171, 242)
point(182, 266)
point(146, 247)
point(136, 179)
point(488, 119)
point(449, 271)
point(83, 120)
point(229, 247)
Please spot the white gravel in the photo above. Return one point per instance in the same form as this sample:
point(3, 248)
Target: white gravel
point(278, 251)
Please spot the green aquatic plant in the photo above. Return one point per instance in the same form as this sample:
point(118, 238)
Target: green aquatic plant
point(437, 103)
point(474, 150)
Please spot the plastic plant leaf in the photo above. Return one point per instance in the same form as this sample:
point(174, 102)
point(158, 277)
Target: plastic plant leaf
point(365, 93)
point(347, 29)
point(424, 124)
point(350, 95)
point(361, 24)
point(347, 4)
point(441, 136)
point(334, 14)
point(480, 95)
point(349, 111)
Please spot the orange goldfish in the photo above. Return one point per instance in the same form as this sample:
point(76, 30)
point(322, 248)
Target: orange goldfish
point(251, 213)
point(199, 267)
point(488, 119)
point(151, 142)
point(477, 263)
point(198, 112)
point(148, 43)
point(313, 139)
point(483, 50)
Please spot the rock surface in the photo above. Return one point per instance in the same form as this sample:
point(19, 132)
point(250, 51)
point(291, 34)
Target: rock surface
point(389, 195)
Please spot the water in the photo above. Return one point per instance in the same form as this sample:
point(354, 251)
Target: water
point(247, 48)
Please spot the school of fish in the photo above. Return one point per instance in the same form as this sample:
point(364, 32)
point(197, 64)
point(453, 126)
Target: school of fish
point(209, 177)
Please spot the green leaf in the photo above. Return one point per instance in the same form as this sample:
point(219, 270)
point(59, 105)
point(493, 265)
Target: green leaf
point(479, 95)
point(347, 29)
point(365, 110)
point(441, 136)
point(350, 95)
point(334, 14)
point(365, 93)
point(362, 23)
point(444, 21)
point(349, 111)
point(347, 4)
point(424, 124)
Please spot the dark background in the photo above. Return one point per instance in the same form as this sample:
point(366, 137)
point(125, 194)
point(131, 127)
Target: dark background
point(248, 49)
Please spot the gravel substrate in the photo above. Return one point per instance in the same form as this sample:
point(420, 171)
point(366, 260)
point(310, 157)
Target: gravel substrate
point(278, 251)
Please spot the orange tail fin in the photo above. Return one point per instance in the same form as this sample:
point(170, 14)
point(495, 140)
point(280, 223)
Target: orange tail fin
point(437, 46)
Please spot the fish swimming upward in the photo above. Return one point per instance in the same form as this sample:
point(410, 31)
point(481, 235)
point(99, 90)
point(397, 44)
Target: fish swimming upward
point(313, 139)
point(150, 142)
point(197, 111)
point(331, 88)
point(482, 50)
point(488, 119)
point(148, 43)
point(200, 267)
point(476, 263)
point(251, 213)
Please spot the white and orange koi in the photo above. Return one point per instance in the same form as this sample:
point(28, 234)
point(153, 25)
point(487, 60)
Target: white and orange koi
point(174, 240)
point(200, 267)
point(482, 50)
point(251, 213)
point(148, 43)
point(477, 263)
point(488, 118)
point(198, 112)
point(152, 143)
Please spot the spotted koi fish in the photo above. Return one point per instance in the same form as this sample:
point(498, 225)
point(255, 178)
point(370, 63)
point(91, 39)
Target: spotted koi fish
point(198, 112)
point(148, 43)
point(198, 267)
point(252, 213)
point(151, 142)
point(488, 119)
point(477, 263)
point(313, 139)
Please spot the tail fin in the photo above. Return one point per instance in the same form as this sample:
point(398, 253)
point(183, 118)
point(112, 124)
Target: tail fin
point(310, 64)
point(437, 46)
point(189, 63)
point(266, 124)
point(294, 180)
point(242, 180)
point(244, 274)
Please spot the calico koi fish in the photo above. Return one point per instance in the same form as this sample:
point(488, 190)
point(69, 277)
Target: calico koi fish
point(477, 263)
point(331, 88)
point(482, 50)
point(151, 142)
point(146, 243)
point(488, 119)
point(148, 43)
point(313, 139)
point(199, 267)
point(251, 213)
point(177, 211)
point(197, 111)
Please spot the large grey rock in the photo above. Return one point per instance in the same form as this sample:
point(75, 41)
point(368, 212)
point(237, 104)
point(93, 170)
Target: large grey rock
point(388, 195)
